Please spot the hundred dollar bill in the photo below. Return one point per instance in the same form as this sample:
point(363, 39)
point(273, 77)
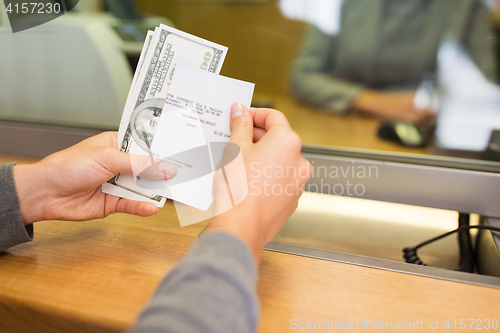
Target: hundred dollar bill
point(147, 96)
point(111, 187)
point(129, 103)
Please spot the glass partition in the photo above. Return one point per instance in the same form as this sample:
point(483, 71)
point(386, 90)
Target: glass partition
point(414, 76)
point(407, 76)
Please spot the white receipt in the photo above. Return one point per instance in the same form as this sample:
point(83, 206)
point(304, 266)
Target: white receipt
point(195, 116)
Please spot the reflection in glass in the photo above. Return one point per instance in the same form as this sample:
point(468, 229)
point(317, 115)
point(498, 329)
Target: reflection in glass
point(349, 58)
point(382, 53)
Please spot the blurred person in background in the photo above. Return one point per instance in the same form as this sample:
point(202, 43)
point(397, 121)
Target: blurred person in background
point(383, 51)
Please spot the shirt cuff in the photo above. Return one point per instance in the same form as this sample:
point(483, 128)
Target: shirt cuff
point(12, 229)
point(344, 104)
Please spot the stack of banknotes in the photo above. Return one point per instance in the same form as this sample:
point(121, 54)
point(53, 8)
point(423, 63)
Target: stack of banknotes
point(163, 49)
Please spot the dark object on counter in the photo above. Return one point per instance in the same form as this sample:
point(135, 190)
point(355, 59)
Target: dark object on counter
point(492, 152)
point(262, 103)
point(403, 132)
point(123, 9)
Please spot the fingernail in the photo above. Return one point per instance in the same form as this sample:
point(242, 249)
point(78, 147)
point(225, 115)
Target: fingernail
point(168, 170)
point(236, 110)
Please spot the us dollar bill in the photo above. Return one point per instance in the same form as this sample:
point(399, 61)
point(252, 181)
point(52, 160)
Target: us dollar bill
point(147, 95)
point(133, 86)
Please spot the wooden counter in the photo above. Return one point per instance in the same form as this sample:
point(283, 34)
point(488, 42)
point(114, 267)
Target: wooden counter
point(96, 276)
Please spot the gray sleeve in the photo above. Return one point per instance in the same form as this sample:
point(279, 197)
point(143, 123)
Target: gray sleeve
point(212, 289)
point(312, 79)
point(12, 229)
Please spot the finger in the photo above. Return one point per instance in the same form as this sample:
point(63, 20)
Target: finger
point(258, 133)
point(138, 208)
point(429, 114)
point(119, 162)
point(305, 171)
point(110, 158)
point(154, 169)
point(268, 119)
point(423, 116)
point(241, 125)
point(113, 137)
point(427, 111)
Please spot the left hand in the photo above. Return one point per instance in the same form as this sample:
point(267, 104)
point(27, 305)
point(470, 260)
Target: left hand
point(67, 185)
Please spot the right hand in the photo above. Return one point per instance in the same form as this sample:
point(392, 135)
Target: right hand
point(276, 174)
point(392, 106)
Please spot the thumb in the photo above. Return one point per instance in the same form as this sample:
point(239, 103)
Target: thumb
point(241, 125)
point(143, 166)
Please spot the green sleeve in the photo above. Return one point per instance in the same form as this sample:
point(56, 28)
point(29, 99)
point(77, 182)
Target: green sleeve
point(480, 41)
point(312, 79)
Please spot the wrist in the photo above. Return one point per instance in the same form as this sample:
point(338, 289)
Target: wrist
point(30, 192)
point(365, 101)
point(244, 229)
